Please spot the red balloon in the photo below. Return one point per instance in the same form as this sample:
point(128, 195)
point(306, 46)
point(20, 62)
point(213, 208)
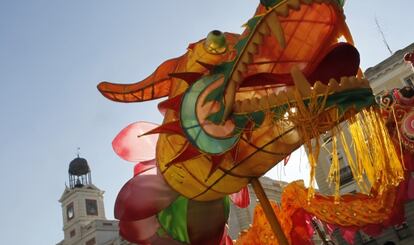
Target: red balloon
point(143, 196)
point(242, 198)
point(131, 146)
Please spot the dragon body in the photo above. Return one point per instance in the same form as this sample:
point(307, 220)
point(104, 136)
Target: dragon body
point(239, 104)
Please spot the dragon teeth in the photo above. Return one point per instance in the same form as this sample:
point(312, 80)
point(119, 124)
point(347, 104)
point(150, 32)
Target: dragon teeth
point(365, 83)
point(282, 10)
point(333, 85)
point(345, 84)
point(256, 102)
point(237, 77)
point(319, 88)
point(276, 29)
point(301, 83)
point(242, 68)
point(247, 58)
point(294, 4)
point(290, 93)
point(273, 99)
point(247, 105)
point(252, 48)
point(257, 39)
point(264, 30)
point(354, 81)
point(237, 105)
point(284, 96)
point(264, 103)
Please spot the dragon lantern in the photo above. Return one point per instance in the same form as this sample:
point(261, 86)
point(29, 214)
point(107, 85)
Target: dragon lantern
point(239, 104)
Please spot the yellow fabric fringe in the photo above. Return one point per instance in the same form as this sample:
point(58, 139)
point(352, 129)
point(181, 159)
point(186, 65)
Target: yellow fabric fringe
point(371, 155)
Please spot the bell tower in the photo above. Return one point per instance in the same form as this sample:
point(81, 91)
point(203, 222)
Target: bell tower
point(81, 201)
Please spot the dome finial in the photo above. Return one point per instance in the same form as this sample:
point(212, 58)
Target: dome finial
point(78, 151)
point(79, 173)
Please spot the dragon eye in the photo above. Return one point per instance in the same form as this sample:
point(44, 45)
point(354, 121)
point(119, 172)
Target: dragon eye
point(215, 42)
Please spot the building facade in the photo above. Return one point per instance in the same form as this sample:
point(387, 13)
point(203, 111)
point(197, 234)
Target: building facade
point(391, 73)
point(83, 211)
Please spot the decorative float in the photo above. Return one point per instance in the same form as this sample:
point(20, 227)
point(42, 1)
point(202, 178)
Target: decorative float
point(237, 105)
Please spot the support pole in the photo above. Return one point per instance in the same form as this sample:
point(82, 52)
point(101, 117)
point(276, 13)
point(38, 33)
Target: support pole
point(268, 210)
point(320, 233)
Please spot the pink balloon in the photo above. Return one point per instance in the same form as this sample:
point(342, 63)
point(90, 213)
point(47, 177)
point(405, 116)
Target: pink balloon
point(144, 232)
point(140, 230)
point(242, 198)
point(143, 196)
point(226, 239)
point(141, 167)
point(348, 235)
point(132, 147)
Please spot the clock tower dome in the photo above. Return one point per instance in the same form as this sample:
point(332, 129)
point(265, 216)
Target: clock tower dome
point(82, 202)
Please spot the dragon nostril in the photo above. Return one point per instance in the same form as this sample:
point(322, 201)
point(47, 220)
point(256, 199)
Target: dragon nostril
point(216, 33)
point(215, 42)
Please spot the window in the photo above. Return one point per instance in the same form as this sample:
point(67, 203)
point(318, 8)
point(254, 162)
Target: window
point(409, 81)
point(403, 231)
point(72, 233)
point(346, 175)
point(70, 212)
point(91, 242)
point(367, 240)
point(327, 139)
point(345, 172)
point(91, 207)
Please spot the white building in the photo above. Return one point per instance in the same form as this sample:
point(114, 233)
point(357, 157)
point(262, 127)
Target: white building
point(83, 211)
point(391, 73)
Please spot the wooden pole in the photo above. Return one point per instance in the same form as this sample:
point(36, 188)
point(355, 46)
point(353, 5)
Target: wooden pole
point(320, 233)
point(268, 210)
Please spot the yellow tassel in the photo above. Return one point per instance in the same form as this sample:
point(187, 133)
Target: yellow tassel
point(372, 157)
point(375, 155)
point(334, 172)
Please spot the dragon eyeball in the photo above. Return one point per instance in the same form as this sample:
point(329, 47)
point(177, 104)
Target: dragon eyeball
point(215, 42)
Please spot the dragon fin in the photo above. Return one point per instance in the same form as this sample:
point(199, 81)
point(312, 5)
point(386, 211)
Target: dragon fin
point(173, 103)
point(188, 153)
point(167, 128)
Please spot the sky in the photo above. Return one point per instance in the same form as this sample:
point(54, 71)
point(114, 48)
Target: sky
point(53, 53)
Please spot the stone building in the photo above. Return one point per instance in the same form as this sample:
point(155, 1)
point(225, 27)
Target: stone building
point(391, 73)
point(83, 211)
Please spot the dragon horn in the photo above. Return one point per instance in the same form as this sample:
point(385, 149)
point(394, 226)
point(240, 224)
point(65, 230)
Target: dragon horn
point(155, 86)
